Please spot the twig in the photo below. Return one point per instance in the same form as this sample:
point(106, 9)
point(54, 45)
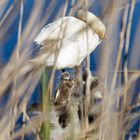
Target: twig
point(121, 43)
point(18, 52)
point(14, 113)
point(72, 7)
point(65, 8)
point(119, 9)
point(47, 91)
point(27, 118)
point(128, 30)
point(87, 97)
point(7, 13)
point(35, 121)
point(57, 49)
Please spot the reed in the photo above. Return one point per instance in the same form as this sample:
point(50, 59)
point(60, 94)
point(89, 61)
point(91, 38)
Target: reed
point(19, 78)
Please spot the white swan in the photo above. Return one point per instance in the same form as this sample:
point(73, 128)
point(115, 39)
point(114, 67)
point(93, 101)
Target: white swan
point(67, 41)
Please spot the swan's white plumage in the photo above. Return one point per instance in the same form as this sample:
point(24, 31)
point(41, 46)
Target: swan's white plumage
point(70, 38)
point(61, 28)
point(76, 49)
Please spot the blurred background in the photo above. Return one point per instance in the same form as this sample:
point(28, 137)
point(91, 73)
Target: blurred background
point(116, 61)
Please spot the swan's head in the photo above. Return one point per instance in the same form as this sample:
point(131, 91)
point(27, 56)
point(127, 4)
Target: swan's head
point(93, 22)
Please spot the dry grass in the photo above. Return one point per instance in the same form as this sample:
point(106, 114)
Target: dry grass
point(18, 79)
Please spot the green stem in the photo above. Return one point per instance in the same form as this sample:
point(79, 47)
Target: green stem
point(45, 128)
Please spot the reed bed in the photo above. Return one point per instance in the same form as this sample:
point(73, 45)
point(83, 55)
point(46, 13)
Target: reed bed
point(117, 69)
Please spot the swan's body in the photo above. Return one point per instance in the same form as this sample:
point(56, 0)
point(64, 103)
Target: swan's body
point(66, 43)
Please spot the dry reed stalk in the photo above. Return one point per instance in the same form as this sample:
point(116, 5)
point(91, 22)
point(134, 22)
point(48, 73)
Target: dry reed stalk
point(129, 71)
point(2, 4)
point(20, 91)
point(87, 93)
point(121, 120)
point(17, 52)
point(87, 97)
point(52, 75)
point(128, 30)
point(7, 13)
point(120, 90)
point(46, 100)
point(9, 70)
point(51, 80)
point(35, 121)
point(121, 44)
point(118, 9)
point(130, 82)
point(72, 7)
point(34, 76)
point(65, 8)
point(14, 108)
point(1, 22)
point(104, 127)
point(26, 117)
point(9, 20)
point(5, 87)
point(115, 134)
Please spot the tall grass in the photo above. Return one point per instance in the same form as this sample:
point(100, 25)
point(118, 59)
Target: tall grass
point(18, 78)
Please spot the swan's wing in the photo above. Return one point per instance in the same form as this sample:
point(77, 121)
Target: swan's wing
point(68, 37)
point(45, 53)
point(59, 29)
